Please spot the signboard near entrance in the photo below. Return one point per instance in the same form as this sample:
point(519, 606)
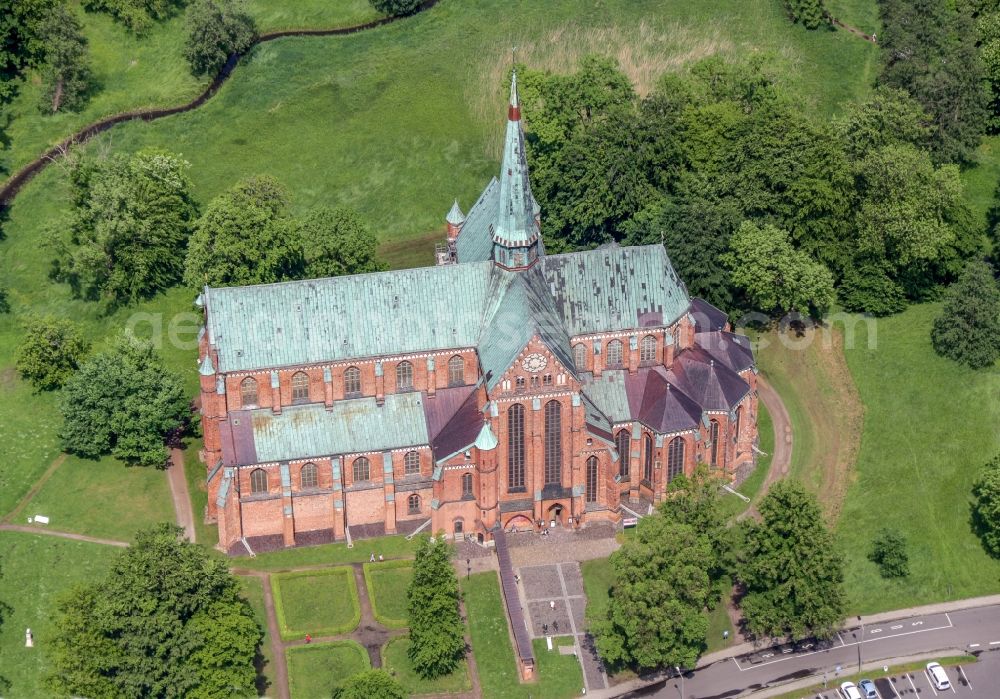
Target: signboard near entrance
point(629, 521)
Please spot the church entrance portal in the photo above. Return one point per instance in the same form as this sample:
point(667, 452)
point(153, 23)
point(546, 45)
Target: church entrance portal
point(555, 517)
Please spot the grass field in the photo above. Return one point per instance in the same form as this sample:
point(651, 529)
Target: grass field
point(733, 505)
point(494, 654)
point(390, 547)
point(387, 583)
point(36, 571)
point(320, 603)
point(253, 590)
point(396, 662)
point(103, 498)
point(930, 424)
point(314, 670)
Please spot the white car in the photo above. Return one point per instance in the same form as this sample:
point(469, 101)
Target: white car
point(937, 676)
point(850, 691)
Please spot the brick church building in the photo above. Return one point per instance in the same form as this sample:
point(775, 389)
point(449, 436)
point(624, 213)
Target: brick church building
point(502, 387)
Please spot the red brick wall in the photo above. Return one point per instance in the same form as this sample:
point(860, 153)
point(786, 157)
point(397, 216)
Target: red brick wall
point(313, 512)
point(365, 506)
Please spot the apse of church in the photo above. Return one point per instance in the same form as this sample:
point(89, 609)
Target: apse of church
point(503, 387)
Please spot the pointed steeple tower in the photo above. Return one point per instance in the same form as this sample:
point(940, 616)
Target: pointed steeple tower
point(516, 237)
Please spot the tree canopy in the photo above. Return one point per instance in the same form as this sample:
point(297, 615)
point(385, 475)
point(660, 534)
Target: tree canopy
point(968, 329)
point(889, 554)
point(986, 506)
point(790, 567)
point(437, 634)
point(22, 40)
point(66, 73)
point(337, 241)
point(395, 7)
point(137, 15)
point(51, 350)
point(811, 14)
point(132, 220)
point(167, 620)
point(125, 402)
point(216, 30)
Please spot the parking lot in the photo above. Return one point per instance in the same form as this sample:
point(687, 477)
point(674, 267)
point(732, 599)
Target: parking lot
point(971, 681)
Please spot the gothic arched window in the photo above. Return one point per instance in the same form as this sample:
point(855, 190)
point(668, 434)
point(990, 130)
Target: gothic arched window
point(248, 392)
point(456, 371)
point(411, 463)
point(515, 446)
point(675, 458)
point(592, 468)
point(623, 442)
point(300, 386)
point(736, 423)
point(580, 356)
point(466, 485)
point(258, 481)
point(404, 376)
point(362, 469)
point(352, 381)
point(615, 353)
point(713, 437)
point(413, 504)
point(647, 350)
point(308, 477)
point(553, 442)
point(647, 464)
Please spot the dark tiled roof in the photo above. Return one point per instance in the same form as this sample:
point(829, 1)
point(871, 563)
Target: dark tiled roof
point(511, 600)
point(711, 384)
point(729, 348)
point(461, 429)
point(707, 317)
point(443, 406)
point(662, 407)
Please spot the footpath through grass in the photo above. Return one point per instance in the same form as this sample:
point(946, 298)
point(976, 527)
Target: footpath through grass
point(314, 670)
point(396, 662)
point(320, 602)
point(930, 425)
point(252, 589)
point(37, 571)
point(559, 676)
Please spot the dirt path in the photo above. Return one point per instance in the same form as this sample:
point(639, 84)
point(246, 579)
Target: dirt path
point(179, 493)
point(280, 672)
point(782, 456)
point(62, 535)
point(53, 467)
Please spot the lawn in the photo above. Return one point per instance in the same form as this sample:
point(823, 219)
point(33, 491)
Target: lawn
point(314, 670)
point(103, 498)
point(396, 662)
point(930, 424)
point(320, 602)
point(391, 547)
point(36, 571)
point(253, 591)
point(718, 620)
point(558, 676)
point(750, 487)
point(387, 583)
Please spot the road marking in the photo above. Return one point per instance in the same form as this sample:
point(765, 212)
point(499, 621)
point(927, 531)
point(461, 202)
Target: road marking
point(973, 645)
point(927, 675)
point(897, 626)
point(875, 631)
point(947, 617)
point(841, 639)
point(964, 676)
point(910, 680)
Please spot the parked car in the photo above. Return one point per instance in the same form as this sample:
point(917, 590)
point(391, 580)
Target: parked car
point(850, 691)
point(937, 676)
point(867, 689)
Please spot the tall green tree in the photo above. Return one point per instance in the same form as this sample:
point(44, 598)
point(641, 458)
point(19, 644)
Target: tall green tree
point(929, 50)
point(968, 329)
point(888, 552)
point(774, 275)
point(125, 402)
point(888, 117)
point(133, 217)
point(137, 15)
point(22, 43)
point(790, 567)
point(437, 634)
point(986, 506)
point(337, 241)
point(245, 236)
point(167, 620)
point(988, 25)
point(49, 353)
point(216, 30)
point(66, 73)
point(370, 684)
point(661, 588)
point(4, 297)
point(811, 14)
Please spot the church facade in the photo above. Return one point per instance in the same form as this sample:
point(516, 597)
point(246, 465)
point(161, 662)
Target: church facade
point(502, 387)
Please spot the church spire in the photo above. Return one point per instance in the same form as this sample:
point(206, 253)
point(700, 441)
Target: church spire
point(516, 238)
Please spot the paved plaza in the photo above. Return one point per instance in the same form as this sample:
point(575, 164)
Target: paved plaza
point(554, 602)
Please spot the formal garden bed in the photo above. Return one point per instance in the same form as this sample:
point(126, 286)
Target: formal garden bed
point(387, 582)
point(314, 669)
point(397, 663)
point(316, 602)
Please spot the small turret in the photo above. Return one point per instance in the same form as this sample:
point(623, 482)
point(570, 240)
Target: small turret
point(455, 219)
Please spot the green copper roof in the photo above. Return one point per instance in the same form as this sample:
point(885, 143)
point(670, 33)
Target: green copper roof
point(365, 315)
point(608, 393)
point(475, 242)
point(356, 425)
point(515, 225)
point(455, 215)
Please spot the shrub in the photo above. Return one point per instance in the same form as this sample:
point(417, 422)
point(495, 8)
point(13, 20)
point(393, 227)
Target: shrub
point(216, 30)
point(396, 7)
point(889, 554)
point(50, 352)
point(986, 506)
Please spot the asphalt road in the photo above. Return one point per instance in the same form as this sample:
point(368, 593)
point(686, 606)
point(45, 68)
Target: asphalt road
point(976, 630)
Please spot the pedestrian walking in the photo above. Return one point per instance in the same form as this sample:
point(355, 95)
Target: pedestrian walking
point(372, 558)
